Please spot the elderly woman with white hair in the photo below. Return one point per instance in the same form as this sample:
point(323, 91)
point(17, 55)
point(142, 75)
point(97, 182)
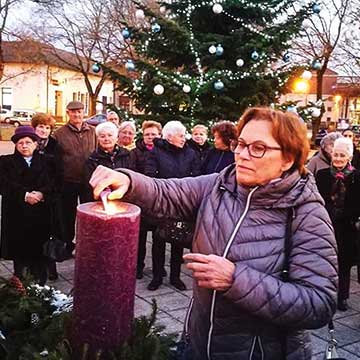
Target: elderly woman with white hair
point(127, 132)
point(171, 157)
point(322, 159)
point(339, 185)
point(108, 153)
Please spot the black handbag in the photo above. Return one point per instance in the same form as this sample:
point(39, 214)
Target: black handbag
point(331, 346)
point(176, 232)
point(55, 248)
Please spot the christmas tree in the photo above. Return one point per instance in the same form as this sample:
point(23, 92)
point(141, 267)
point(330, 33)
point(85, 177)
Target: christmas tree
point(201, 61)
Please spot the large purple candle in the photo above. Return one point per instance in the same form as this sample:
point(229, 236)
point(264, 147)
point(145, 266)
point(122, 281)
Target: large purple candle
point(105, 263)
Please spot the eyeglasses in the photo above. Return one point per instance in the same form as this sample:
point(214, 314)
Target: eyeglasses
point(255, 149)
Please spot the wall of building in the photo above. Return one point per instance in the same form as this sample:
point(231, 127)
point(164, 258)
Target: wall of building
point(48, 89)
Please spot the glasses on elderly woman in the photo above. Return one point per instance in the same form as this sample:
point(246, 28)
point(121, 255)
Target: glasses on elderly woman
point(256, 149)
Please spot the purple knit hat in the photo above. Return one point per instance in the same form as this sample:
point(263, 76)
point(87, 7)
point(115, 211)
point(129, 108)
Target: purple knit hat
point(24, 131)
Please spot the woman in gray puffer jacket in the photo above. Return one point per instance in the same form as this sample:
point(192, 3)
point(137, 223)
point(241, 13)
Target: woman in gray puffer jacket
point(242, 307)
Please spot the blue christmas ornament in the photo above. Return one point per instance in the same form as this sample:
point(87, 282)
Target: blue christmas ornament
point(125, 33)
point(96, 68)
point(316, 65)
point(218, 85)
point(316, 8)
point(219, 50)
point(287, 57)
point(255, 55)
point(292, 108)
point(130, 66)
point(155, 28)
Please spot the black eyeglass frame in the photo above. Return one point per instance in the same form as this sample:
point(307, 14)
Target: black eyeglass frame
point(235, 143)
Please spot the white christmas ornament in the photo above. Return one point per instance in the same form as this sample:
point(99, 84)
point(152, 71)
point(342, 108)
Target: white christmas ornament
point(212, 49)
point(315, 112)
point(306, 75)
point(158, 89)
point(217, 8)
point(186, 88)
point(307, 24)
point(239, 62)
point(139, 14)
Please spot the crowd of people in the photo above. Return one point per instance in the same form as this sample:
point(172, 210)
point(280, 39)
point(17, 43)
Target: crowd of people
point(69, 155)
point(266, 221)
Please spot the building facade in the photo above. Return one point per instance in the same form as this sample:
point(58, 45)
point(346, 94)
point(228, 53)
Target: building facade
point(35, 80)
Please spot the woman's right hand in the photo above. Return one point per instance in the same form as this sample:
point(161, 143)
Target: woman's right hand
point(104, 177)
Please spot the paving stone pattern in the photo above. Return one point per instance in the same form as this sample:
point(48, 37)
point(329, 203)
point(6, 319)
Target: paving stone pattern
point(173, 304)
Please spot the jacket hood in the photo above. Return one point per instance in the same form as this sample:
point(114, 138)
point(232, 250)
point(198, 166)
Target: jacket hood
point(195, 145)
point(140, 145)
point(101, 154)
point(289, 191)
point(165, 145)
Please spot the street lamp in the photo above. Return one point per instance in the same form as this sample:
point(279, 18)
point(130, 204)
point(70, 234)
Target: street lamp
point(301, 86)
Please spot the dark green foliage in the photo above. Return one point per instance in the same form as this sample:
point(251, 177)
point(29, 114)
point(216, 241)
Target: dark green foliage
point(30, 326)
point(169, 58)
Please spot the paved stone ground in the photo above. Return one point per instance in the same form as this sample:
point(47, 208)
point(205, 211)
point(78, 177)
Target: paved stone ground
point(173, 303)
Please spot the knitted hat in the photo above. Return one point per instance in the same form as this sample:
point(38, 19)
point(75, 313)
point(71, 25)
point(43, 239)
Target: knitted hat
point(24, 131)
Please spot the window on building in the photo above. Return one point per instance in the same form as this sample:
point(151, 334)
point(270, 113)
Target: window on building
point(6, 98)
point(74, 96)
point(329, 109)
point(86, 104)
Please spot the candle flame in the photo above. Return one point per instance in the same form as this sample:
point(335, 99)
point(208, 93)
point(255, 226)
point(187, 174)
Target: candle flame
point(112, 208)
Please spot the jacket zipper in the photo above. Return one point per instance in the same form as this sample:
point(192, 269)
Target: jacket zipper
point(224, 255)
point(256, 339)
point(187, 319)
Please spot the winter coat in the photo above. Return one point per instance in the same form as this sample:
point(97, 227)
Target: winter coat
point(168, 161)
point(217, 160)
point(202, 151)
point(346, 233)
point(76, 146)
point(52, 152)
point(260, 315)
point(139, 155)
point(120, 158)
point(356, 158)
point(317, 162)
point(24, 227)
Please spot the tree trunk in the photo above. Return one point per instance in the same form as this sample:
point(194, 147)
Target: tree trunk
point(315, 122)
point(1, 59)
point(92, 104)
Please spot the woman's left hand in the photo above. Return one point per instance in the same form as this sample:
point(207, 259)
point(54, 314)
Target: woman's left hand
point(211, 271)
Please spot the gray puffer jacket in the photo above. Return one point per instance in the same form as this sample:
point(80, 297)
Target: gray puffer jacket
point(260, 316)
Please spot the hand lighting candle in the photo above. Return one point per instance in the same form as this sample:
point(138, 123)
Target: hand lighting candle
point(105, 263)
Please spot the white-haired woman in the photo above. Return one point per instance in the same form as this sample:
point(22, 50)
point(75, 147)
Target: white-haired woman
point(127, 132)
point(171, 157)
point(108, 153)
point(339, 185)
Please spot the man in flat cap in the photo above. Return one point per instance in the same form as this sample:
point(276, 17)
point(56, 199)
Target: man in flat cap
point(77, 141)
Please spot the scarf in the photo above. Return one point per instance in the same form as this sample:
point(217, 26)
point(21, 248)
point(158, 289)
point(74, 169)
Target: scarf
point(338, 190)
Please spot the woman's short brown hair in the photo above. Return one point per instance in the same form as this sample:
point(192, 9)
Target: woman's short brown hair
point(288, 130)
point(226, 130)
point(150, 123)
point(42, 119)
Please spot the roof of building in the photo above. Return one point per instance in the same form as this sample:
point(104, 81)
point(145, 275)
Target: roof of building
point(34, 52)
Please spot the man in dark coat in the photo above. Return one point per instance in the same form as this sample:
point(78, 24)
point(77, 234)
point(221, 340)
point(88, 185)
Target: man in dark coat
point(26, 190)
point(170, 158)
point(77, 141)
point(150, 130)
